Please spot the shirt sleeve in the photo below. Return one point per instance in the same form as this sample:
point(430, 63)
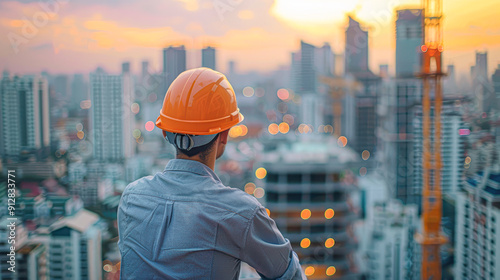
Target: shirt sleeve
point(266, 250)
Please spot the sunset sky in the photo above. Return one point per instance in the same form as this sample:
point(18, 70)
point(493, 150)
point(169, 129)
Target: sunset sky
point(79, 35)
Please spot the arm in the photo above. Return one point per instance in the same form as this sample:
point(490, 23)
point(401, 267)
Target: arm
point(266, 250)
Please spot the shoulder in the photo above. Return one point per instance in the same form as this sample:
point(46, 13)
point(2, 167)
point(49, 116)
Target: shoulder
point(240, 202)
point(137, 184)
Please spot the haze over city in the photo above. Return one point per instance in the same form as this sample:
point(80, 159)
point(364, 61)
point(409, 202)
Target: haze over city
point(258, 34)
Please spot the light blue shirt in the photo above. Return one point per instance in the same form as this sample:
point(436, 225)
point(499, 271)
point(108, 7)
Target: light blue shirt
point(184, 223)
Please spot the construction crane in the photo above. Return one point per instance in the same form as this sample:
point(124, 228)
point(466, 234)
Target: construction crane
point(431, 238)
point(338, 87)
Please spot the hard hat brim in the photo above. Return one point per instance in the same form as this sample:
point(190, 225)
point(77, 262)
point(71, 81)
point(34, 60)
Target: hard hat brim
point(192, 127)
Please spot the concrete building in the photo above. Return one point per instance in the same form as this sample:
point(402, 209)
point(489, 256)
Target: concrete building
point(174, 63)
point(452, 149)
point(128, 98)
point(478, 224)
point(481, 86)
point(75, 247)
point(409, 39)
point(391, 246)
point(308, 190)
point(495, 80)
point(303, 69)
point(32, 261)
point(25, 116)
point(356, 48)
point(79, 93)
point(107, 116)
point(208, 58)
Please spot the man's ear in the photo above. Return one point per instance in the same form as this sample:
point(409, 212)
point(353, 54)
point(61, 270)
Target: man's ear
point(223, 136)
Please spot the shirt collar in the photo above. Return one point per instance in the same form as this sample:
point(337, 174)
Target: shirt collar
point(192, 166)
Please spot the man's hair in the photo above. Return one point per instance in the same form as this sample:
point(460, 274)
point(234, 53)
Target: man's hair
point(201, 150)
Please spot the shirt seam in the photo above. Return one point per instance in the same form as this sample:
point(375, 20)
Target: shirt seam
point(198, 202)
point(249, 222)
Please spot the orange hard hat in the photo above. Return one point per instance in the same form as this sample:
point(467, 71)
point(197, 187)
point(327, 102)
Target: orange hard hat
point(199, 101)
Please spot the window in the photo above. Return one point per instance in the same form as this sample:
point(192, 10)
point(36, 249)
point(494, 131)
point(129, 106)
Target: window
point(318, 197)
point(272, 177)
point(272, 196)
point(318, 178)
point(294, 178)
point(294, 197)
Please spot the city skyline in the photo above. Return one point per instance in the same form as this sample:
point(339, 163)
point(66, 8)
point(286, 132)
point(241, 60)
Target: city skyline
point(258, 35)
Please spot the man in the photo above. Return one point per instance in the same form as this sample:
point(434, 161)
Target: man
point(184, 223)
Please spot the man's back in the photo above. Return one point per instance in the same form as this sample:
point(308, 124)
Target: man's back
point(184, 223)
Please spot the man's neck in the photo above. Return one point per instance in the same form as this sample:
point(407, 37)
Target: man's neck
point(208, 160)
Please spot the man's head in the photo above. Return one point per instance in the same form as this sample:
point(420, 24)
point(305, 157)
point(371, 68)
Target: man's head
point(198, 110)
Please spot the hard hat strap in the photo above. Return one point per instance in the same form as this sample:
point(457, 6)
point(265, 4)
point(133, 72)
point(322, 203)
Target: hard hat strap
point(186, 141)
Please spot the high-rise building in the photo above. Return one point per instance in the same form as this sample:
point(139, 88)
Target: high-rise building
point(24, 115)
point(128, 99)
point(391, 246)
point(356, 48)
point(75, 247)
point(409, 40)
point(208, 58)
point(408, 91)
point(174, 63)
point(307, 73)
point(32, 261)
point(79, 93)
point(308, 189)
point(482, 89)
point(478, 224)
point(106, 118)
point(366, 99)
point(452, 149)
point(366, 115)
point(495, 80)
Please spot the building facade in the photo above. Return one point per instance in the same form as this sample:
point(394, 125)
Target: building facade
point(107, 116)
point(308, 191)
point(25, 116)
point(208, 58)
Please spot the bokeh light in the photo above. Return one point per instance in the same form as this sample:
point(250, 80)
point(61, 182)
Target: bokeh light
point(244, 130)
point(329, 213)
point(273, 129)
point(284, 127)
point(136, 133)
point(362, 171)
point(259, 193)
point(330, 271)
point(283, 94)
point(235, 131)
point(305, 214)
point(135, 108)
point(250, 188)
point(309, 271)
point(329, 243)
point(149, 126)
point(80, 135)
point(288, 119)
point(342, 141)
point(260, 173)
point(282, 107)
point(248, 91)
point(365, 155)
point(305, 243)
point(468, 160)
point(79, 127)
point(268, 212)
